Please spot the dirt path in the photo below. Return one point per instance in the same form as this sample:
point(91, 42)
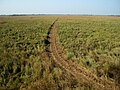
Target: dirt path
point(78, 72)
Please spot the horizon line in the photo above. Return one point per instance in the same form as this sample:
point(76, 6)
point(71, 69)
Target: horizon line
point(25, 14)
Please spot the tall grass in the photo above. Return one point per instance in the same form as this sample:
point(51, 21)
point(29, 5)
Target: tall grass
point(93, 42)
point(21, 46)
point(24, 63)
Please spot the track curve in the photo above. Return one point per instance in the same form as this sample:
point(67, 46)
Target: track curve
point(77, 71)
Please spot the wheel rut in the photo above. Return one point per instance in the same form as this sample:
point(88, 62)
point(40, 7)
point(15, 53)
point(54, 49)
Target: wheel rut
point(75, 70)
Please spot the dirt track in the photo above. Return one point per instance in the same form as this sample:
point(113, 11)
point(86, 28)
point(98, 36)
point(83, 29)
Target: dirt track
point(78, 72)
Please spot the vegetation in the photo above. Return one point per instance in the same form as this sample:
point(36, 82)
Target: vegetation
point(23, 61)
point(92, 42)
point(22, 42)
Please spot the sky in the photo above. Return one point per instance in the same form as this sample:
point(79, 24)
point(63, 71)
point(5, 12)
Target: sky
point(95, 7)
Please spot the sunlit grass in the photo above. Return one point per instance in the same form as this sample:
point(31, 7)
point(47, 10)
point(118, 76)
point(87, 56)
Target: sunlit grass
point(93, 42)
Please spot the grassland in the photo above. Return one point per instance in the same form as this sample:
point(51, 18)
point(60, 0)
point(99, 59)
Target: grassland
point(21, 46)
point(90, 42)
point(23, 61)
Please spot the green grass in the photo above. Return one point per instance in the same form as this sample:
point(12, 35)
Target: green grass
point(21, 46)
point(24, 63)
point(93, 42)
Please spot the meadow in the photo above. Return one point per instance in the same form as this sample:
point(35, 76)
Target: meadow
point(89, 41)
point(22, 57)
point(92, 42)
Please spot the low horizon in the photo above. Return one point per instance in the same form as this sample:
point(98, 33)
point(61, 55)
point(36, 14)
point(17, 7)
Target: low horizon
point(90, 7)
point(40, 14)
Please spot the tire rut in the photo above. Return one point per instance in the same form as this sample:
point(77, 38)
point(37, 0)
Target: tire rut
point(75, 70)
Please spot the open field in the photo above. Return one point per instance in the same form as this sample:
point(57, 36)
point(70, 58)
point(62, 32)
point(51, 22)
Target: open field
point(75, 52)
point(93, 42)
